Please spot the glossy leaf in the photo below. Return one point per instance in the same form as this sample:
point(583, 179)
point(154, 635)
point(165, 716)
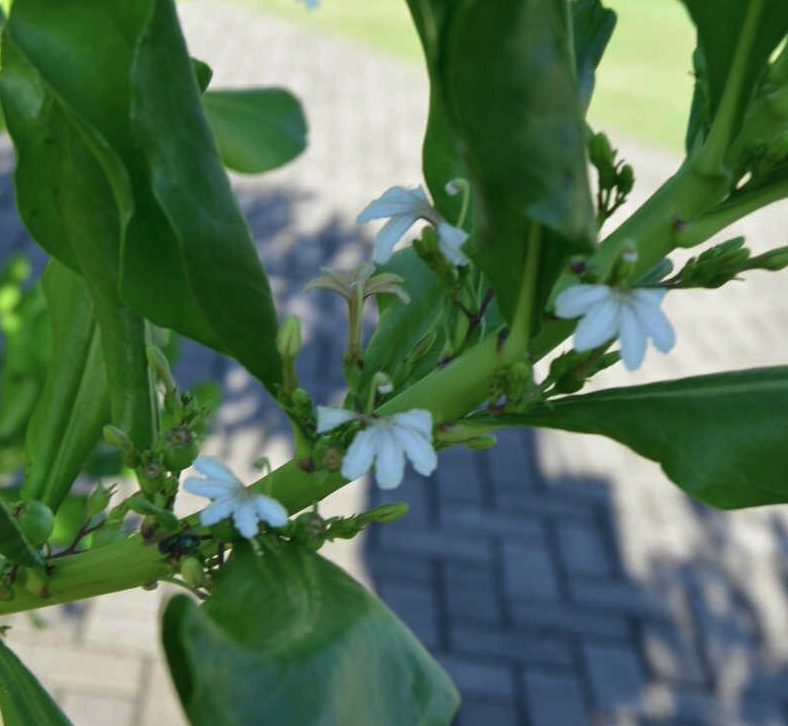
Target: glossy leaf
point(23, 700)
point(74, 404)
point(13, 543)
point(720, 26)
point(288, 638)
point(128, 109)
point(723, 438)
point(504, 91)
point(256, 129)
point(593, 26)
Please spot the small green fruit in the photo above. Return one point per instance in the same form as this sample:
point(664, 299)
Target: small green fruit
point(182, 449)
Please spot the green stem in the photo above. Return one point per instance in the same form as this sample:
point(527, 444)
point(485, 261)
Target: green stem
point(711, 161)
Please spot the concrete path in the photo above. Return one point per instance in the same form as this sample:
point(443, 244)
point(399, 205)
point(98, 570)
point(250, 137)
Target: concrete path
point(560, 580)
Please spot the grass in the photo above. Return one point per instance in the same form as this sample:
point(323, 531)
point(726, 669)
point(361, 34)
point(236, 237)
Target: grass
point(644, 84)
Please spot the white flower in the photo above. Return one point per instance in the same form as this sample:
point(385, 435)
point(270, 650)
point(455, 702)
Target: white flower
point(404, 207)
point(231, 497)
point(311, 4)
point(633, 315)
point(386, 441)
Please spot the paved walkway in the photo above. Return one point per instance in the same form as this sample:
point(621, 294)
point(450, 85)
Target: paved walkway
point(560, 580)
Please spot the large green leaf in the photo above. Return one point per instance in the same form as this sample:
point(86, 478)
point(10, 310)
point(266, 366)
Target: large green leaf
point(288, 638)
point(74, 405)
point(592, 25)
point(505, 92)
point(721, 25)
point(723, 438)
point(127, 108)
point(23, 701)
point(257, 129)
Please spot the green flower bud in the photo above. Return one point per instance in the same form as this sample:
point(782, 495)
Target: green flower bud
point(301, 398)
point(309, 529)
point(481, 443)
point(36, 521)
point(776, 259)
point(119, 439)
point(161, 367)
point(382, 383)
point(151, 476)
point(181, 449)
point(626, 179)
point(600, 152)
point(192, 571)
point(385, 513)
point(99, 499)
point(288, 338)
point(332, 458)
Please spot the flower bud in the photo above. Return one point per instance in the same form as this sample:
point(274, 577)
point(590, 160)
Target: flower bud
point(119, 439)
point(288, 339)
point(181, 449)
point(600, 152)
point(625, 179)
point(382, 383)
point(36, 521)
point(151, 476)
point(36, 582)
point(192, 571)
point(332, 458)
point(99, 499)
point(161, 367)
point(385, 513)
point(774, 260)
point(301, 398)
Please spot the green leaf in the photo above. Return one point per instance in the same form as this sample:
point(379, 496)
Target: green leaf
point(504, 90)
point(74, 405)
point(723, 438)
point(203, 73)
point(23, 700)
point(720, 25)
point(257, 129)
point(14, 544)
point(127, 109)
point(288, 638)
point(593, 25)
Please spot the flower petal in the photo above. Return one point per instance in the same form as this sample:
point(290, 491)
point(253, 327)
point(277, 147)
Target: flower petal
point(395, 202)
point(390, 460)
point(417, 449)
point(269, 510)
point(360, 454)
point(330, 417)
point(450, 240)
point(245, 519)
point(217, 511)
point(599, 325)
point(214, 468)
point(579, 299)
point(390, 234)
point(418, 419)
point(655, 323)
point(633, 339)
point(210, 488)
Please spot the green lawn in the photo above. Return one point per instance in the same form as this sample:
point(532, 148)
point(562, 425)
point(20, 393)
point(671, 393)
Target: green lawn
point(643, 85)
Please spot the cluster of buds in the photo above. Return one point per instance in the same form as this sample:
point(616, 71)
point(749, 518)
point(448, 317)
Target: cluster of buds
point(616, 178)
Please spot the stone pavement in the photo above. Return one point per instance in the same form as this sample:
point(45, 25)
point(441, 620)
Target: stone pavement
point(559, 579)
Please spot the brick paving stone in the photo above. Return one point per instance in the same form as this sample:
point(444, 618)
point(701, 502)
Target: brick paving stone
point(616, 676)
point(554, 699)
point(458, 481)
point(479, 522)
point(470, 592)
point(671, 655)
point(416, 606)
point(517, 647)
point(477, 678)
point(434, 544)
point(487, 713)
point(617, 597)
point(559, 618)
point(583, 550)
point(529, 571)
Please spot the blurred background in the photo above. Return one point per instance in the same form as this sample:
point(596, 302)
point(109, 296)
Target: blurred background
point(559, 579)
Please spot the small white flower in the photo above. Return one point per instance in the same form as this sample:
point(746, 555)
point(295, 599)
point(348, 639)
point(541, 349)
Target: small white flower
point(633, 315)
point(404, 207)
point(231, 498)
point(385, 441)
